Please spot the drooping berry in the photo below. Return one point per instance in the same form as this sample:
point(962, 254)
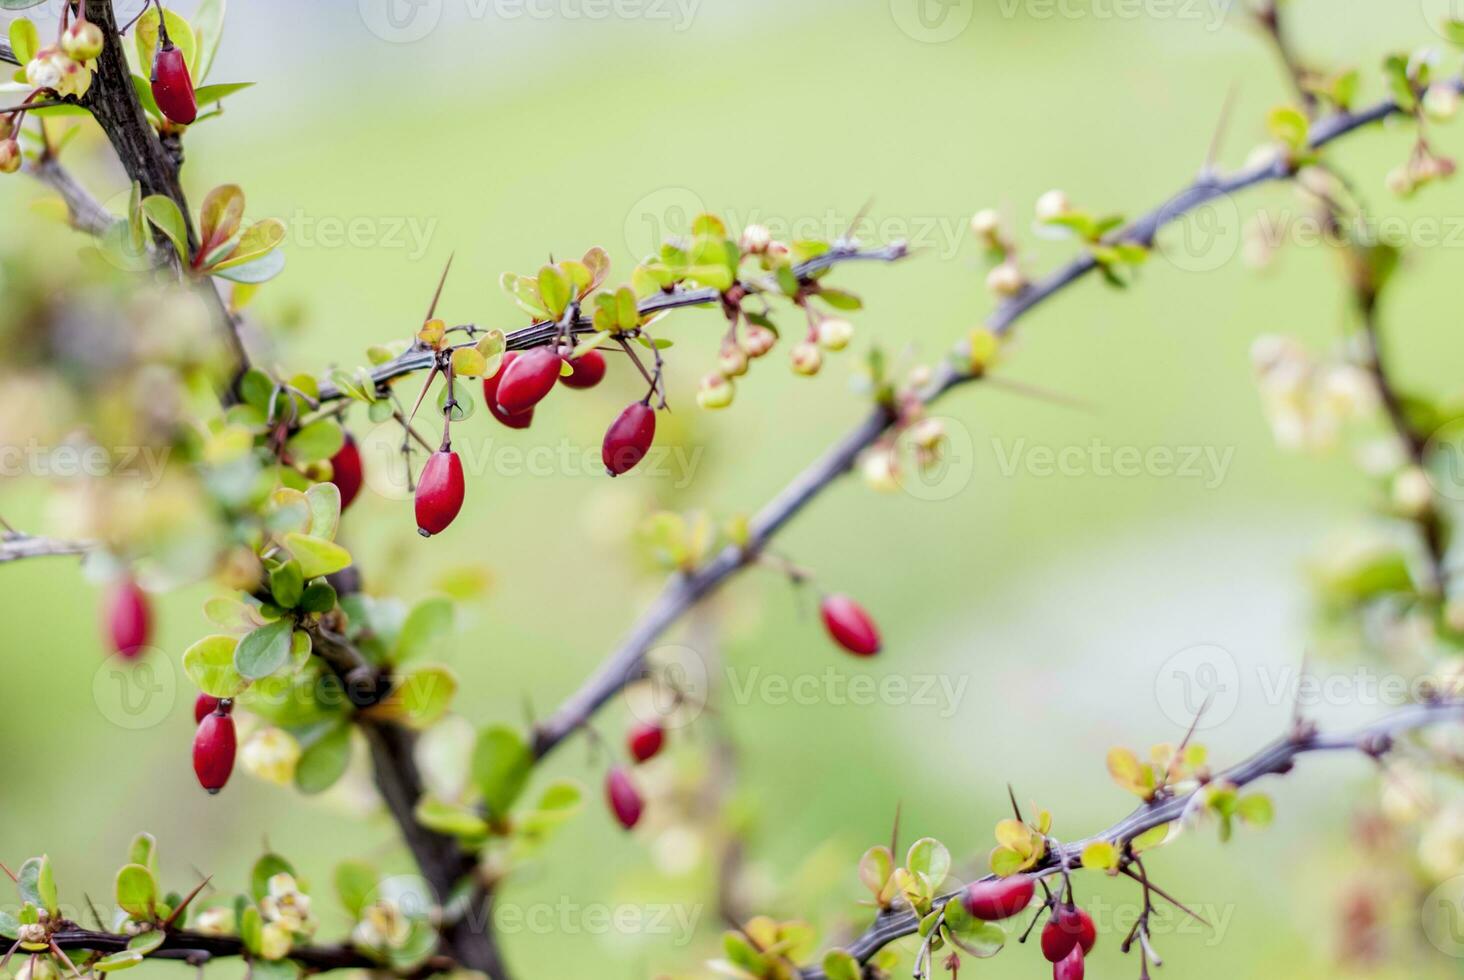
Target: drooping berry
point(716, 391)
point(82, 40)
point(490, 397)
point(629, 438)
point(205, 705)
point(624, 799)
point(850, 626)
point(1069, 928)
point(758, 340)
point(991, 901)
point(346, 471)
point(589, 369)
point(439, 492)
point(214, 746)
point(807, 358)
point(645, 741)
point(528, 379)
point(1070, 967)
point(129, 619)
point(172, 86)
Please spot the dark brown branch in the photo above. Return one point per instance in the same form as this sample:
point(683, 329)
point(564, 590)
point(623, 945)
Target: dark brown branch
point(625, 663)
point(85, 211)
point(7, 55)
point(16, 546)
point(1277, 758)
point(544, 331)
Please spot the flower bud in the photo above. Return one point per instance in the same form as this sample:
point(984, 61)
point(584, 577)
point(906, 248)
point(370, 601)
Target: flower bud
point(1006, 280)
point(756, 239)
point(879, 470)
point(758, 340)
point(807, 358)
point(1053, 204)
point(1412, 492)
point(778, 250)
point(834, 333)
point(10, 158)
point(83, 40)
point(216, 921)
point(275, 941)
point(928, 433)
point(271, 754)
point(732, 361)
point(985, 224)
point(7, 126)
point(715, 392)
point(1441, 101)
point(1400, 182)
point(42, 71)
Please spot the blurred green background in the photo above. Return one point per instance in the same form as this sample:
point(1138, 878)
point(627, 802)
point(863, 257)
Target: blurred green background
point(1053, 602)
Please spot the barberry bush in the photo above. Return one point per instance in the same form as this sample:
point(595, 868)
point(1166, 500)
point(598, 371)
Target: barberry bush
point(303, 555)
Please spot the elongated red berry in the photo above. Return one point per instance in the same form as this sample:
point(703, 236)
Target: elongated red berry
point(589, 369)
point(172, 86)
point(1070, 967)
point(991, 901)
point(645, 741)
point(203, 706)
point(346, 471)
point(628, 439)
point(624, 799)
point(850, 626)
point(1068, 928)
point(490, 397)
point(213, 751)
point(128, 619)
point(439, 492)
point(528, 379)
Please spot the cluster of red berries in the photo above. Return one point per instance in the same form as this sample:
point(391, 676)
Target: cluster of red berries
point(1068, 937)
point(643, 742)
point(127, 617)
point(214, 743)
point(523, 380)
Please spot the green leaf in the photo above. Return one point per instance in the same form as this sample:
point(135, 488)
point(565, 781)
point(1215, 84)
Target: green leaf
point(137, 892)
point(560, 802)
point(220, 216)
point(320, 440)
point(1288, 124)
point(25, 39)
point(319, 597)
point(1100, 855)
point(839, 965)
point(145, 33)
point(265, 650)
point(554, 290)
point(324, 762)
point(325, 510)
point(355, 884)
point(450, 818)
point(165, 216)
point(502, 762)
point(930, 859)
point(209, 663)
point(209, 94)
point(143, 89)
point(426, 626)
point(268, 865)
point(29, 882)
point(208, 26)
point(317, 556)
point(262, 269)
point(420, 697)
point(287, 584)
point(1256, 810)
point(124, 960)
point(146, 942)
point(143, 850)
point(257, 241)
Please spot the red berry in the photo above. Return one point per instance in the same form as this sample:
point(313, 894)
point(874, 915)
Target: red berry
point(207, 704)
point(129, 619)
point(850, 625)
point(346, 471)
point(1069, 967)
point(172, 86)
point(439, 492)
point(1068, 928)
point(1002, 898)
point(625, 800)
point(589, 370)
point(490, 397)
point(628, 439)
point(644, 741)
point(527, 380)
point(213, 751)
